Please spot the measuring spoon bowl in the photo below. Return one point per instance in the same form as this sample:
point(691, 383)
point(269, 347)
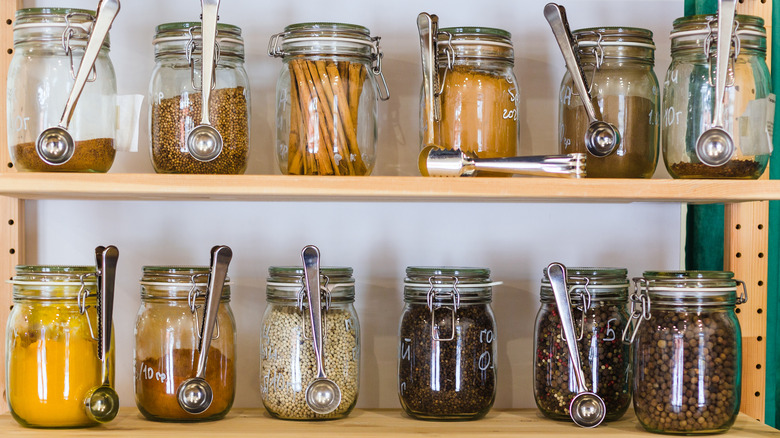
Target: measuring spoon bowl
point(204, 143)
point(323, 396)
point(195, 395)
point(55, 146)
point(601, 138)
point(587, 409)
point(715, 147)
point(102, 403)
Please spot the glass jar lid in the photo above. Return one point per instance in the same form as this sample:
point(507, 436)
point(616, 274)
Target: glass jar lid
point(53, 282)
point(286, 283)
point(614, 43)
point(67, 26)
point(474, 43)
point(444, 283)
point(324, 38)
point(691, 287)
point(698, 31)
point(177, 282)
point(185, 38)
point(601, 283)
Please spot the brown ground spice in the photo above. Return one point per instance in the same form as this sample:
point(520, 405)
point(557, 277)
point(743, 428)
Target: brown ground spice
point(95, 155)
point(733, 169)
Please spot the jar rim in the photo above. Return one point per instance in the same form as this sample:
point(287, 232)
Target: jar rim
point(477, 31)
point(425, 275)
point(297, 272)
point(688, 275)
point(52, 11)
point(181, 275)
point(186, 25)
point(616, 31)
point(327, 26)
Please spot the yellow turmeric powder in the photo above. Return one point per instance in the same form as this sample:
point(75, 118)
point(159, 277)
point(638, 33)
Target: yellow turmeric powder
point(52, 362)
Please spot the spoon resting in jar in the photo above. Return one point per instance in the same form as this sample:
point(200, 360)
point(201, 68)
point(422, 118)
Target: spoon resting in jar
point(601, 138)
point(102, 402)
point(195, 394)
point(586, 409)
point(323, 395)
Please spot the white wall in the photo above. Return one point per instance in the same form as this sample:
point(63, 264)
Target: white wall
point(378, 239)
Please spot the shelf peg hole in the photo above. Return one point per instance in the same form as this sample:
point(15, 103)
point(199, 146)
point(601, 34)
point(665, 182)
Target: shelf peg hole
point(759, 311)
point(738, 255)
point(10, 221)
point(758, 366)
point(12, 251)
point(760, 226)
point(759, 338)
point(761, 255)
point(760, 283)
point(758, 394)
point(739, 227)
point(8, 22)
point(737, 310)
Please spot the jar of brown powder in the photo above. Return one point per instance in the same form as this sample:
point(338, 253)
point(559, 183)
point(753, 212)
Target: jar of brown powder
point(167, 342)
point(618, 66)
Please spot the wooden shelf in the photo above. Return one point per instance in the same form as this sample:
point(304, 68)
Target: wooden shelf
point(364, 423)
point(377, 188)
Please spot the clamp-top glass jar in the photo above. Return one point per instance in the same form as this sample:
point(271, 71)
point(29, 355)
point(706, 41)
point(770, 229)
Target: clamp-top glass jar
point(479, 94)
point(52, 345)
point(447, 350)
point(175, 100)
point(327, 98)
point(288, 363)
point(687, 351)
point(618, 61)
point(599, 299)
point(48, 46)
point(167, 340)
point(689, 98)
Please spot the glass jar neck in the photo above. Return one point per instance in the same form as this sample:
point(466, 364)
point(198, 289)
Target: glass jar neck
point(441, 285)
point(64, 27)
point(178, 283)
point(694, 289)
point(463, 45)
point(184, 41)
point(615, 45)
point(285, 284)
point(696, 36)
point(68, 283)
point(601, 284)
point(324, 39)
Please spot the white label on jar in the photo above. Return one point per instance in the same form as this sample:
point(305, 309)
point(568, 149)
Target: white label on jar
point(756, 126)
point(128, 115)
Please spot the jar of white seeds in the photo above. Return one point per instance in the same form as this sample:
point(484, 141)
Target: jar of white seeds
point(287, 360)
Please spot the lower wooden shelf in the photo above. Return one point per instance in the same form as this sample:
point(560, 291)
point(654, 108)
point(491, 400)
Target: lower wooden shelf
point(363, 423)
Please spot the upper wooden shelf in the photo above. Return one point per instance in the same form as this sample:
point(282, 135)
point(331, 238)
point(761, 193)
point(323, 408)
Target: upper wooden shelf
point(121, 186)
point(375, 423)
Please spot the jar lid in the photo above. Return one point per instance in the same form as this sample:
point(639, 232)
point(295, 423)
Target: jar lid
point(444, 276)
point(694, 31)
point(480, 43)
point(691, 287)
point(324, 38)
point(285, 283)
point(53, 281)
point(185, 38)
point(614, 36)
point(176, 275)
point(601, 282)
point(55, 25)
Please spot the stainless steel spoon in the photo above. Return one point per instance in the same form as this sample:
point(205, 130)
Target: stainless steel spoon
point(436, 161)
point(586, 408)
point(195, 394)
point(102, 402)
point(322, 395)
point(601, 138)
point(428, 27)
point(715, 146)
point(204, 142)
point(55, 145)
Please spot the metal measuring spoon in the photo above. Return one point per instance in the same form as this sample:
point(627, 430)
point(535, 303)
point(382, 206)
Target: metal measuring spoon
point(195, 394)
point(601, 138)
point(715, 146)
point(322, 395)
point(436, 161)
point(586, 409)
point(204, 142)
point(428, 27)
point(102, 402)
point(55, 145)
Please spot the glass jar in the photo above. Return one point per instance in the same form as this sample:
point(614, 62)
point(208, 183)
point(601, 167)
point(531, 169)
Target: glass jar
point(618, 65)
point(327, 98)
point(447, 350)
point(688, 353)
point(287, 360)
point(48, 46)
point(175, 100)
point(52, 346)
point(479, 93)
point(599, 299)
point(167, 335)
point(689, 98)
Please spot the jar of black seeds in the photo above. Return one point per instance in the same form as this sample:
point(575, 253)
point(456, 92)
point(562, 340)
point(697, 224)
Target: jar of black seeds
point(447, 348)
point(688, 351)
point(288, 362)
point(175, 101)
point(598, 297)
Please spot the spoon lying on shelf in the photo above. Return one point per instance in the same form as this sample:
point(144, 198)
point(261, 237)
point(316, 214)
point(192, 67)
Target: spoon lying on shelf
point(322, 395)
point(715, 146)
point(195, 394)
point(55, 145)
point(601, 138)
point(436, 161)
point(102, 402)
point(586, 409)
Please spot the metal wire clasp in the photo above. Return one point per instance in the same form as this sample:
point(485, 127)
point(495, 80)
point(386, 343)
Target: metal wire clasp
point(192, 297)
point(639, 308)
point(274, 47)
point(708, 40)
point(67, 34)
point(376, 68)
point(196, 85)
point(81, 301)
point(585, 300)
point(432, 295)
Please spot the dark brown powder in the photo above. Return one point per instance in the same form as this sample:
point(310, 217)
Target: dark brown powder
point(96, 155)
point(746, 169)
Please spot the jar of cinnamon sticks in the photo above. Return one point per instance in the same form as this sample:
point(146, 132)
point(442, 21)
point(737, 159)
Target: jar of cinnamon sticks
point(327, 98)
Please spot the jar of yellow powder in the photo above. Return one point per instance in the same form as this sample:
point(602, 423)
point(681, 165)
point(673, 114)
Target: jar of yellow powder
point(51, 346)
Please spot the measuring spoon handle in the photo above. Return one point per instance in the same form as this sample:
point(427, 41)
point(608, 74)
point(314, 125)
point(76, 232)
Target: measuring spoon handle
point(311, 271)
point(220, 259)
point(208, 32)
point(107, 258)
point(556, 272)
point(428, 27)
point(556, 16)
point(106, 13)
point(726, 11)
